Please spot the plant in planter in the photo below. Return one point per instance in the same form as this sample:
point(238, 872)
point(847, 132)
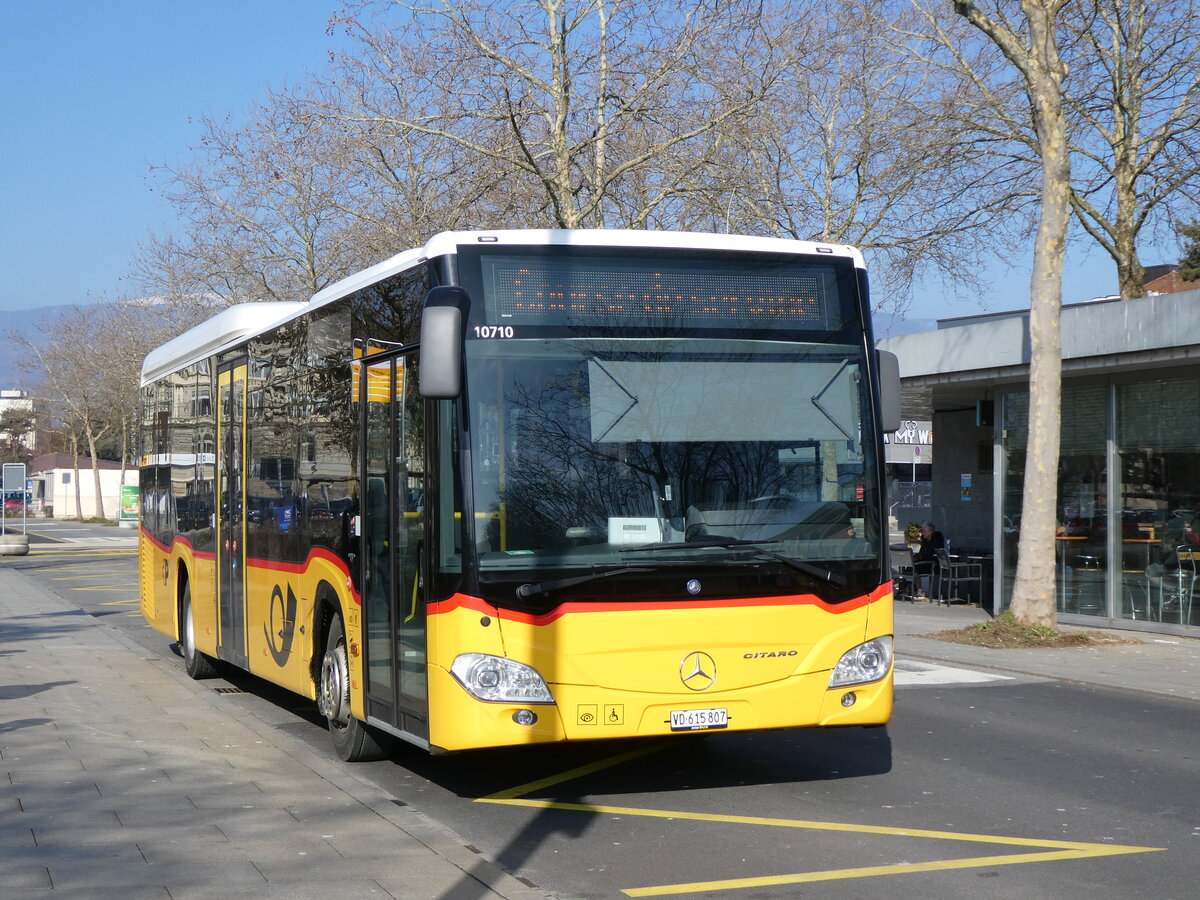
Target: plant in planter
point(912, 533)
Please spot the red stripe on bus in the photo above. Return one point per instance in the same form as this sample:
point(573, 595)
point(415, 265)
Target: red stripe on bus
point(272, 565)
point(476, 604)
point(182, 542)
point(329, 556)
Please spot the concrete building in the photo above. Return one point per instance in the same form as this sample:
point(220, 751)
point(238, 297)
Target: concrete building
point(1129, 472)
point(55, 478)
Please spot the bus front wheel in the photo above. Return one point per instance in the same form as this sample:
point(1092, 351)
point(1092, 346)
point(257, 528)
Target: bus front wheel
point(354, 741)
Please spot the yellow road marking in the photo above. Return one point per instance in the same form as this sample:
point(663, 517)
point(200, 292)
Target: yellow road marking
point(1053, 850)
point(91, 573)
point(129, 602)
point(874, 871)
point(59, 553)
point(46, 537)
point(106, 587)
point(598, 766)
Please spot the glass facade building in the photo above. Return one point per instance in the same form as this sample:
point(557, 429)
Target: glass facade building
point(1128, 513)
point(1127, 543)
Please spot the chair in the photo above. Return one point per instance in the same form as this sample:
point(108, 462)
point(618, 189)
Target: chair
point(1178, 587)
point(952, 573)
point(903, 574)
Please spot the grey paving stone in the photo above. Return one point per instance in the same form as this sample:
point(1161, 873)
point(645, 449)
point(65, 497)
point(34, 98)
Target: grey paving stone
point(100, 819)
point(14, 834)
point(18, 876)
point(359, 889)
point(95, 892)
point(234, 875)
point(142, 784)
point(27, 766)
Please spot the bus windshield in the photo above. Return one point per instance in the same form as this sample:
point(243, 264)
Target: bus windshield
point(640, 452)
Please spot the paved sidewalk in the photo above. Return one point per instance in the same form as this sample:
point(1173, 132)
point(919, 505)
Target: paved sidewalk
point(121, 778)
point(1156, 663)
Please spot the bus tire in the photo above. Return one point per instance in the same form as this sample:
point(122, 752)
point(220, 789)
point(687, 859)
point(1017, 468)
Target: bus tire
point(353, 741)
point(198, 665)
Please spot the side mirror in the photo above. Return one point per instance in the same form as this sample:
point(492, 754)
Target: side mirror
point(441, 342)
point(889, 390)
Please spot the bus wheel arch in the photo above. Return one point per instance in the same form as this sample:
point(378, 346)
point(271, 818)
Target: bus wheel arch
point(327, 606)
point(198, 665)
point(353, 741)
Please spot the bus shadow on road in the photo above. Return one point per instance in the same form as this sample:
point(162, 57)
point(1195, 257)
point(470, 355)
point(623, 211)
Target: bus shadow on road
point(680, 763)
point(685, 763)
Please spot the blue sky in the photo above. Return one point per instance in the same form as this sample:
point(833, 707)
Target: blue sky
point(93, 94)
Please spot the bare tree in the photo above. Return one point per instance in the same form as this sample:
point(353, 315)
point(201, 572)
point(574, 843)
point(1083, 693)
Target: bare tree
point(264, 211)
point(1030, 41)
point(1132, 96)
point(1131, 100)
point(581, 105)
point(861, 142)
point(72, 383)
point(93, 395)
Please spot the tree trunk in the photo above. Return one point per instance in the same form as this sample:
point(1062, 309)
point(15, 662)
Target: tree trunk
point(126, 450)
point(1130, 273)
point(1034, 588)
point(75, 469)
point(91, 439)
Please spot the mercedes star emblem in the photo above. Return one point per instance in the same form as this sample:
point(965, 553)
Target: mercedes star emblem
point(698, 671)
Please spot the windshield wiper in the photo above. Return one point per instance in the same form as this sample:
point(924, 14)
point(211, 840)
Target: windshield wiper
point(824, 573)
point(532, 589)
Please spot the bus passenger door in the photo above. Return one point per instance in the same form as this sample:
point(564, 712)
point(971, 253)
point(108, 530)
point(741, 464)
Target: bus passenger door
point(393, 541)
point(231, 550)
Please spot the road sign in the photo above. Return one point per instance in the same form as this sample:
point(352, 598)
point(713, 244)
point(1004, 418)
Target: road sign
point(14, 478)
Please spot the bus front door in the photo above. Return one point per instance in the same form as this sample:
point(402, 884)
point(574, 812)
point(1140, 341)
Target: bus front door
point(393, 526)
point(231, 533)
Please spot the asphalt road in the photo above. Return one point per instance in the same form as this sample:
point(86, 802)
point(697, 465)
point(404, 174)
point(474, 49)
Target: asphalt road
point(1001, 787)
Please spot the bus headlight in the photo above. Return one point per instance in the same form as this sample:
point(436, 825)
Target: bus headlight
point(865, 663)
point(499, 680)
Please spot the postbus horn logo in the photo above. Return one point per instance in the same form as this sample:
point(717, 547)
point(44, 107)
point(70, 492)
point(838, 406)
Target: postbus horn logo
point(698, 671)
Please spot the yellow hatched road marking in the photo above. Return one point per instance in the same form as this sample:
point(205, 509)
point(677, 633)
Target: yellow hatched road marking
point(1053, 850)
point(59, 552)
point(873, 871)
point(571, 775)
point(91, 573)
point(106, 587)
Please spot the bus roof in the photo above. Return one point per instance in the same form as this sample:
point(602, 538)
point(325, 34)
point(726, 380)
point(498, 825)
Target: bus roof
point(614, 237)
point(242, 321)
point(449, 241)
point(214, 335)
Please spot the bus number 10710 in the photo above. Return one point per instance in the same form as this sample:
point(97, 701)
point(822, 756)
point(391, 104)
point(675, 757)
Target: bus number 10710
point(493, 331)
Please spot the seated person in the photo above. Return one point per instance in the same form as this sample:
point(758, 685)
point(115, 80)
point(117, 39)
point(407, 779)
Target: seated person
point(925, 559)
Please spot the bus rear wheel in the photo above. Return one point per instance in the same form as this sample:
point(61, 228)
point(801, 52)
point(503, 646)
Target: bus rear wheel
point(353, 741)
point(198, 665)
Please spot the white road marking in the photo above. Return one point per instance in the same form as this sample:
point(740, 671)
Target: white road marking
point(910, 672)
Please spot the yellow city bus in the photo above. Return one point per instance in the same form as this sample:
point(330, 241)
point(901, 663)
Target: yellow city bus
point(520, 487)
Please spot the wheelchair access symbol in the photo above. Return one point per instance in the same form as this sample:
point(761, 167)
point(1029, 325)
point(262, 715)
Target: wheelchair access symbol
point(590, 714)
